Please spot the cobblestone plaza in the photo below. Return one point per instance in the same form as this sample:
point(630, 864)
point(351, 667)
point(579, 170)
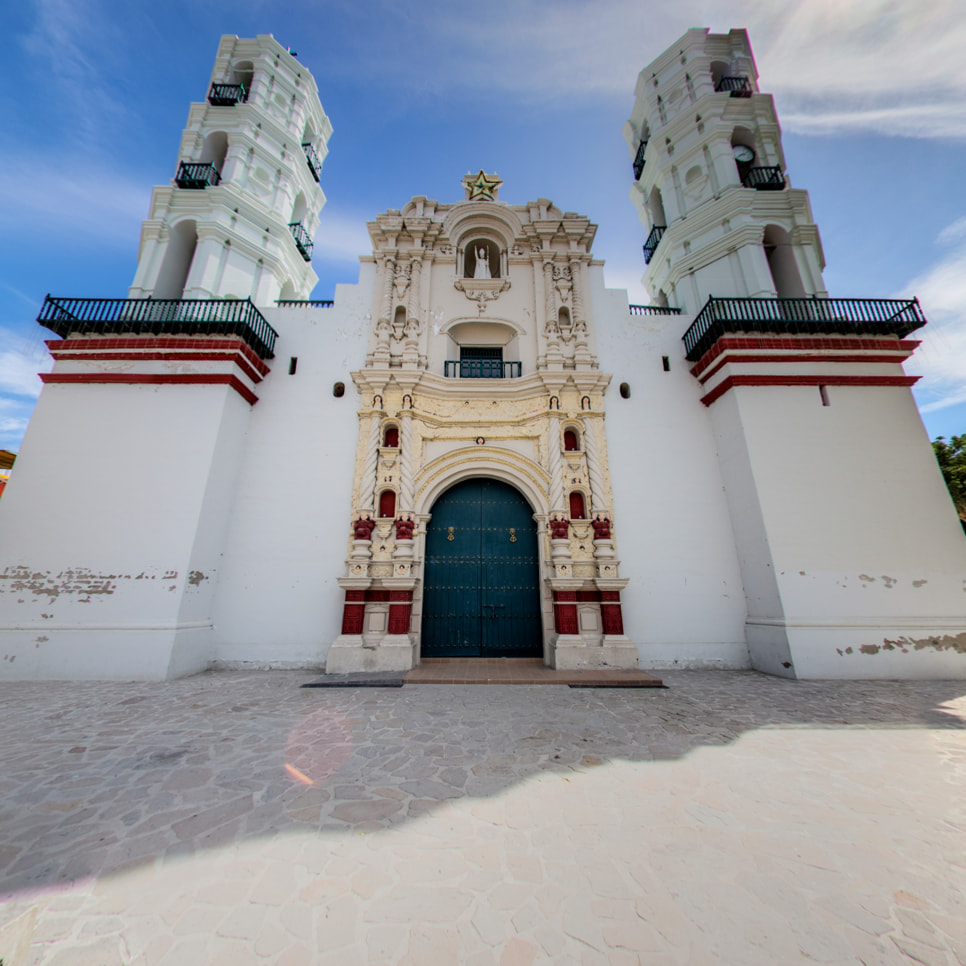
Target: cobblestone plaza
point(237, 818)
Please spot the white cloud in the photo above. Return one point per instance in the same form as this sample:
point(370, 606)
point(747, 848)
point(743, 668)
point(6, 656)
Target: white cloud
point(20, 361)
point(941, 359)
point(889, 66)
point(341, 236)
point(39, 196)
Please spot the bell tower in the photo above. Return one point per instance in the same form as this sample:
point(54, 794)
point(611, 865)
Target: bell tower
point(237, 219)
point(710, 183)
point(850, 554)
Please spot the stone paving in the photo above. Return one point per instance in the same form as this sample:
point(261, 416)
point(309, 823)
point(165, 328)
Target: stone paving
point(234, 818)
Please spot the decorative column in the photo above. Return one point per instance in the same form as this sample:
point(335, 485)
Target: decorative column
point(582, 354)
point(551, 331)
point(406, 442)
point(594, 469)
point(554, 465)
point(367, 485)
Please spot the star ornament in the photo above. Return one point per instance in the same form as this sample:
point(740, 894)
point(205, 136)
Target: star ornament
point(482, 186)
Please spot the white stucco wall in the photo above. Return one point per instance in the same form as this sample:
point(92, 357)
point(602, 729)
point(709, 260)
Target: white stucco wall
point(112, 530)
point(278, 602)
point(685, 603)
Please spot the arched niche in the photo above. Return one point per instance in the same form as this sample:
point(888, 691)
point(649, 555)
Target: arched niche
point(577, 505)
point(482, 258)
point(782, 263)
point(482, 332)
point(390, 436)
point(387, 505)
point(571, 440)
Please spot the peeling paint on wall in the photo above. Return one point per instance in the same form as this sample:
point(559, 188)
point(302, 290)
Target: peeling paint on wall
point(80, 582)
point(946, 642)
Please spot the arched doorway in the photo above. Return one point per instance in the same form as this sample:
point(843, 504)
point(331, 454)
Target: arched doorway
point(481, 595)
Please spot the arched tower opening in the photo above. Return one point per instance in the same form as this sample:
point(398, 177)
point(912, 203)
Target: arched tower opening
point(178, 255)
point(215, 149)
point(782, 264)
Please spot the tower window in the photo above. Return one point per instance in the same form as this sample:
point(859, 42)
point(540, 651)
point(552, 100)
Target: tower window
point(391, 437)
point(577, 506)
point(571, 442)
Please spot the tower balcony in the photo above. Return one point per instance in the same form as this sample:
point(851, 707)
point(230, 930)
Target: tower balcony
point(800, 316)
point(482, 369)
point(734, 86)
point(315, 165)
point(653, 240)
point(763, 178)
point(302, 240)
point(191, 175)
point(227, 95)
point(148, 316)
point(639, 159)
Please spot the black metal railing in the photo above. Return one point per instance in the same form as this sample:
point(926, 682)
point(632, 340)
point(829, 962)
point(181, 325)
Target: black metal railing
point(227, 95)
point(639, 159)
point(653, 310)
point(801, 316)
point(653, 240)
point(302, 240)
point(302, 303)
point(149, 316)
point(315, 165)
point(192, 175)
point(735, 86)
point(482, 369)
point(763, 178)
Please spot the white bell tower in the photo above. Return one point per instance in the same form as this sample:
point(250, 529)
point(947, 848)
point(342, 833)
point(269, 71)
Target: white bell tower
point(710, 183)
point(237, 219)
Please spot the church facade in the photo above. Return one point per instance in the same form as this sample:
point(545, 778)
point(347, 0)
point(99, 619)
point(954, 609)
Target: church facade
point(479, 450)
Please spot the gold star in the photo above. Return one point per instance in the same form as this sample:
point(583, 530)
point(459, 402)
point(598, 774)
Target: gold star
point(482, 185)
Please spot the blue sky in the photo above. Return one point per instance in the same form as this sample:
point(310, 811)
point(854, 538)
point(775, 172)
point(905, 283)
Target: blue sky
point(871, 95)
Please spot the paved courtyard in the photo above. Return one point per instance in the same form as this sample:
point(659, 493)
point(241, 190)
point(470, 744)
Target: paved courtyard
point(234, 818)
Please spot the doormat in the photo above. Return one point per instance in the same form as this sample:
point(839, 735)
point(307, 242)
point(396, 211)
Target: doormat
point(360, 679)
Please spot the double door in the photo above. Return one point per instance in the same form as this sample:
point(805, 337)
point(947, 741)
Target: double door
point(481, 581)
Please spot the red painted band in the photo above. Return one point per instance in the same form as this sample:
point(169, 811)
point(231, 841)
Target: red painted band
point(896, 359)
point(156, 342)
point(227, 356)
point(776, 342)
point(818, 380)
point(138, 378)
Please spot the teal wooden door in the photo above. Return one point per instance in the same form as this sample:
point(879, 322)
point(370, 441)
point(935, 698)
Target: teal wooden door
point(481, 593)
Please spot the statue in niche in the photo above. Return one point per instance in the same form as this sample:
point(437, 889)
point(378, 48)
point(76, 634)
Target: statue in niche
point(404, 528)
point(601, 527)
point(363, 527)
point(559, 527)
point(482, 264)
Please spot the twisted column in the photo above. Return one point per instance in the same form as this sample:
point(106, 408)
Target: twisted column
point(594, 468)
point(407, 495)
point(554, 464)
point(368, 486)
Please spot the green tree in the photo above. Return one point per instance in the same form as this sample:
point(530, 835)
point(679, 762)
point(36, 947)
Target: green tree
point(951, 457)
